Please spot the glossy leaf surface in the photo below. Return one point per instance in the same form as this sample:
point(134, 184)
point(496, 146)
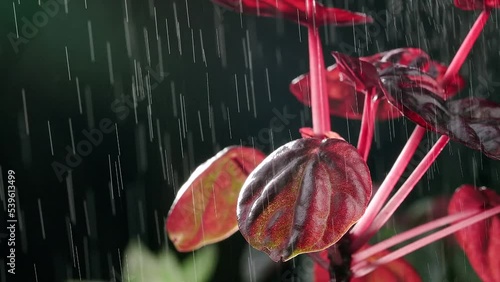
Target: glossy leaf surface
point(346, 102)
point(473, 122)
point(396, 271)
point(476, 4)
point(204, 210)
point(303, 197)
point(296, 10)
point(479, 241)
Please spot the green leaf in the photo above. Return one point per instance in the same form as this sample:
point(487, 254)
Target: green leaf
point(201, 265)
point(142, 265)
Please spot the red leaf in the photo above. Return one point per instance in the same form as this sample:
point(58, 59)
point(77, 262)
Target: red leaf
point(473, 122)
point(477, 4)
point(396, 271)
point(346, 102)
point(303, 197)
point(204, 210)
point(479, 241)
point(295, 10)
point(308, 132)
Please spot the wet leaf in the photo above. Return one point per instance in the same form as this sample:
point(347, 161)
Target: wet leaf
point(477, 4)
point(303, 197)
point(473, 122)
point(308, 132)
point(346, 102)
point(396, 271)
point(204, 210)
point(362, 73)
point(295, 10)
point(479, 241)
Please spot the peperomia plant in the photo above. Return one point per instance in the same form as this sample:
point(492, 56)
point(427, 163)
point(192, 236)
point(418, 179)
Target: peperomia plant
point(314, 195)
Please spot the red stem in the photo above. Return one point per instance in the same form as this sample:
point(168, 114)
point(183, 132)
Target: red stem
point(317, 83)
point(403, 192)
point(466, 46)
point(370, 108)
point(419, 230)
point(365, 267)
point(388, 184)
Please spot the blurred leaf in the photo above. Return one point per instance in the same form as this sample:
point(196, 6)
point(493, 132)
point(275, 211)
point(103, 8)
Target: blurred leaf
point(201, 265)
point(204, 210)
point(479, 241)
point(142, 265)
point(295, 10)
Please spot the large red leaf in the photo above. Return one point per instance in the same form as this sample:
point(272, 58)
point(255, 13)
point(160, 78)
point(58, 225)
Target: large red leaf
point(480, 241)
point(346, 102)
point(204, 210)
point(473, 122)
point(396, 271)
point(303, 197)
point(477, 4)
point(296, 10)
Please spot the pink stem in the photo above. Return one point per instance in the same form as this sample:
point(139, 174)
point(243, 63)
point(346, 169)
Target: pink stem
point(466, 46)
point(370, 108)
point(403, 192)
point(386, 244)
point(365, 267)
point(388, 184)
point(319, 98)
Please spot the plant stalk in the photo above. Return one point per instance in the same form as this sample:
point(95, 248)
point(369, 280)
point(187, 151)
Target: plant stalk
point(370, 108)
point(403, 192)
point(466, 46)
point(317, 83)
point(388, 184)
point(407, 235)
point(363, 268)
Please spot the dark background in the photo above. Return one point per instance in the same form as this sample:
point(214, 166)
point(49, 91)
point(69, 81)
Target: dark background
point(197, 83)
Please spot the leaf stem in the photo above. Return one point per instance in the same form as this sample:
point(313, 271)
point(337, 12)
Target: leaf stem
point(419, 230)
point(388, 184)
point(466, 46)
point(365, 267)
point(403, 192)
point(319, 98)
point(370, 108)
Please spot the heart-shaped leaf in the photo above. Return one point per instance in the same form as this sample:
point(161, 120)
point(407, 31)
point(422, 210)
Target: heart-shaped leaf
point(303, 197)
point(346, 102)
point(396, 271)
point(473, 122)
point(204, 210)
point(477, 4)
point(296, 10)
point(479, 241)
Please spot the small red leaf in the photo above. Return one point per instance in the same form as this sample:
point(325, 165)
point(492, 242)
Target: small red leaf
point(477, 4)
point(204, 210)
point(479, 241)
point(296, 10)
point(303, 197)
point(396, 271)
